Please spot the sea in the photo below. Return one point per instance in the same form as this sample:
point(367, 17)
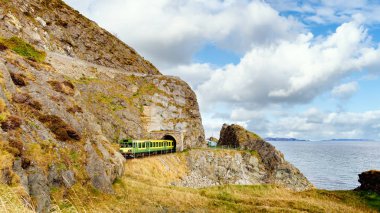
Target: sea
point(332, 165)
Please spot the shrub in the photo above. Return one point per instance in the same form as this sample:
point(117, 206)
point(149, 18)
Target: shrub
point(74, 109)
point(3, 47)
point(23, 48)
point(35, 104)
point(11, 123)
point(18, 147)
point(61, 130)
point(19, 79)
point(23, 98)
point(65, 87)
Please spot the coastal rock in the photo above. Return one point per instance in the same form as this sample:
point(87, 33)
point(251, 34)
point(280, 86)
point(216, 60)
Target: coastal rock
point(212, 168)
point(277, 169)
point(370, 181)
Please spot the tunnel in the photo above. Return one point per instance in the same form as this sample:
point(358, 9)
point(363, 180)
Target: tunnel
point(169, 137)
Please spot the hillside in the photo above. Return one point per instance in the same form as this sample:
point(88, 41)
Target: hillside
point(52, 25)
point(69, 91)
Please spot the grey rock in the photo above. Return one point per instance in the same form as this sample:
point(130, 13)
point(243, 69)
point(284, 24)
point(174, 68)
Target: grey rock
point(68, 177)
point(39, 189)
point(277, 169)
point(41, 21)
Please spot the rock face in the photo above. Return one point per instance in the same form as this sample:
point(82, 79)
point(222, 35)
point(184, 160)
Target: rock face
point(370, 181)
point(211, 168)
point(275, 168)
point(61, 118)
point(54, 26)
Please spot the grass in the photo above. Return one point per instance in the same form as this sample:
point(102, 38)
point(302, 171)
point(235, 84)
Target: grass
point(23, 48)
point(112, 102)
point(145, 187)
point(11, 201)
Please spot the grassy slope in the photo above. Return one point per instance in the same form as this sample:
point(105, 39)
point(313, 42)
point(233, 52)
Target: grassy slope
point(145, 188)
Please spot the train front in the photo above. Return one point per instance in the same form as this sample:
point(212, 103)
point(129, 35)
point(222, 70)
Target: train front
point(126, 148)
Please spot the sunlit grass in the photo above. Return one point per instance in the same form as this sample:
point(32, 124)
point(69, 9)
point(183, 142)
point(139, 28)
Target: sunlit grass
point(22, 48)
point(146, 187)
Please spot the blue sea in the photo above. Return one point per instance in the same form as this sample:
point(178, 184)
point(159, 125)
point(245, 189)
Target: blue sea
point(332, 165)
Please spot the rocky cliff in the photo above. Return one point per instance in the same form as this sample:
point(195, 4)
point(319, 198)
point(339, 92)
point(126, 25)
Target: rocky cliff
point(69, 91)
point(276, 169)
point(54, 26)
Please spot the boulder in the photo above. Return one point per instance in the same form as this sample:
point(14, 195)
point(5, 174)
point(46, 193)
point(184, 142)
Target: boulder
point(277, 169)
point(370, 181)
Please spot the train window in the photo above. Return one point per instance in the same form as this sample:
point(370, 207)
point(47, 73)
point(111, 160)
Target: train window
point(143, 145)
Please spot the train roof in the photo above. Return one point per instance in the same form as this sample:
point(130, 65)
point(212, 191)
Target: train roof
point(141, 141)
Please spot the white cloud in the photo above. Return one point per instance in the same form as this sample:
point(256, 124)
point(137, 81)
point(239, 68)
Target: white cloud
point(194, 74)
point(329, 125)
point(292, 71)
point(345, 91)
point(241, 114)
point(170, 32)
point(311, 124)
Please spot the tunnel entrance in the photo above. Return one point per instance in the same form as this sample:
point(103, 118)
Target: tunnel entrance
point(169, 137)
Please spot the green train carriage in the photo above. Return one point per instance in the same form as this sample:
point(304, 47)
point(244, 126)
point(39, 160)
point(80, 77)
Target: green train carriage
point(133, 148)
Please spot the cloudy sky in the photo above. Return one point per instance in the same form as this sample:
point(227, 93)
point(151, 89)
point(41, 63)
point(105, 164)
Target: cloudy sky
point(282, 68)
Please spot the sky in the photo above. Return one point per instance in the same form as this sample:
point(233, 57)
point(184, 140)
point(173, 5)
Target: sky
point(281, 68)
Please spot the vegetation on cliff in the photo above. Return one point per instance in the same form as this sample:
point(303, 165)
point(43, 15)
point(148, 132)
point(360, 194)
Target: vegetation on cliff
point(22, 48)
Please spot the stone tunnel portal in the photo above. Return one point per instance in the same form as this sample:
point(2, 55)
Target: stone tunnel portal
point(176, 136)
point(169, 137)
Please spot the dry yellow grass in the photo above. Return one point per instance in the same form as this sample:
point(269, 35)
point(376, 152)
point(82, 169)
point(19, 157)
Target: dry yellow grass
point(11, 200)
point(145, 187)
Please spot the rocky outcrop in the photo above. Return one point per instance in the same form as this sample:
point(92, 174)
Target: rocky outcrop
point(276, 169)
point(211, 168)
point(219, 167)
point(52, 25)
point(370, 181)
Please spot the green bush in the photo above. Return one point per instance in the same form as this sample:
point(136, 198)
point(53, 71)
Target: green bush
point(23, 48)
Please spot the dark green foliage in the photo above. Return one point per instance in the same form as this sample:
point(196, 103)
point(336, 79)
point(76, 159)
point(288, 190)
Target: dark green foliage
point(371, 198)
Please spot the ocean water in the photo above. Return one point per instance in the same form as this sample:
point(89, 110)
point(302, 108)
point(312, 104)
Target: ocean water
point(331, 165)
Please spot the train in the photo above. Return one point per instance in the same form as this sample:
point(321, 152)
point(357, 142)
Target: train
point(136, 148)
